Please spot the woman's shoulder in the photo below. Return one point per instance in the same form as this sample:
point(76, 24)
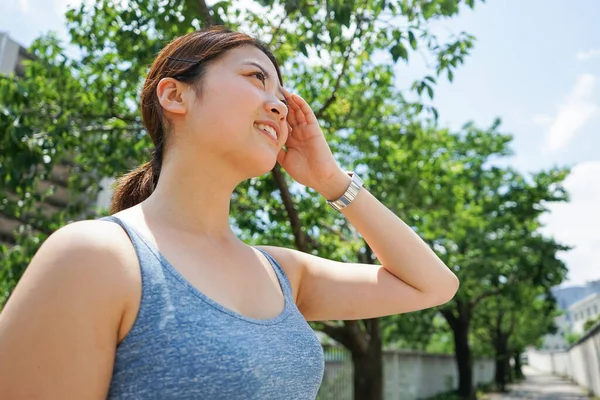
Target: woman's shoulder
point(88, 235)
point(290, 261)
point(91, 249)
point(92, 254)
point(85, 244)
point(72, 296)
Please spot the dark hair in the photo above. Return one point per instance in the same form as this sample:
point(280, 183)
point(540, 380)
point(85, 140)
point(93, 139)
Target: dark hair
point(184, 59)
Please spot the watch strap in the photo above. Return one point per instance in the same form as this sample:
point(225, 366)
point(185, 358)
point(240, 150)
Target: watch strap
point(348, 197)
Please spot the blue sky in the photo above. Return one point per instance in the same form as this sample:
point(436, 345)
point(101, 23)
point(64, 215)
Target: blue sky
point(536, 65)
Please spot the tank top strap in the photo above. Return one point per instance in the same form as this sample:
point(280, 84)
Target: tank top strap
point(286, 286)
point(142, 248)
point(148, 256)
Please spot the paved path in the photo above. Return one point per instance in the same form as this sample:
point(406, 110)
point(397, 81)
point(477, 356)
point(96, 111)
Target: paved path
point(542, 386)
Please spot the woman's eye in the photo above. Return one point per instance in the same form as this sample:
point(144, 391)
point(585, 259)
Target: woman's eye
point(261, 77)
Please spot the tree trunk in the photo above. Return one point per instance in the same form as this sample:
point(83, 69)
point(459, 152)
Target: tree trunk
point(502, 357)
point(518, 371)
point(459, 319)
point(368, 366)
point(462, 351)
point(508, 369)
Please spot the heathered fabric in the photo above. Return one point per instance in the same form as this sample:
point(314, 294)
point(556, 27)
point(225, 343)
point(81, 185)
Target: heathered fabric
point(183, 345)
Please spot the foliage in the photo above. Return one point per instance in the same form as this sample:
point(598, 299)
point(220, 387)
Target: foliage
point(79, 108)
point(587, 325)
point(572, 337)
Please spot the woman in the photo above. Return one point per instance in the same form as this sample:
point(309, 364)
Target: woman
point(162, 300)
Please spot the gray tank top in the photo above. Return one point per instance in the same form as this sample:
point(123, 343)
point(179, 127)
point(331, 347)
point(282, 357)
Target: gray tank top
point(183, 345)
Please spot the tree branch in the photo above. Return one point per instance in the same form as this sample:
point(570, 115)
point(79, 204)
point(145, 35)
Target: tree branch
point(331, 229)
point(490, 293)
point(337, 333)
point(336, 86)
point(451, 316)
point(511, 327)
point(483, 296)
point(205, 15)
point(275, 31)
point(338, 81)
point(301, 239)
point(372, 326)
point(350, 335)
point(358, 337)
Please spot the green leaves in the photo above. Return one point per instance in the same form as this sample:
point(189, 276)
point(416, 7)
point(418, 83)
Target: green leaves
point(412, 40)
point(399, 51)
point(80, 110)
point(85, 109)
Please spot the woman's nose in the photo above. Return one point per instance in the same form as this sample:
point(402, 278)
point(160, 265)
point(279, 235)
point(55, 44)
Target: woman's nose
point(278, 108)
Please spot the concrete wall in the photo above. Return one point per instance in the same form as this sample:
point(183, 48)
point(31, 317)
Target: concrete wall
point(408, 375)
point(580, 363)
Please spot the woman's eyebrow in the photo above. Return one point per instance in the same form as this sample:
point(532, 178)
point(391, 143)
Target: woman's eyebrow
point(264, 71)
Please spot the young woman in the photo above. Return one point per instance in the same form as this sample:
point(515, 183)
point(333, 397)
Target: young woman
point(161, 300)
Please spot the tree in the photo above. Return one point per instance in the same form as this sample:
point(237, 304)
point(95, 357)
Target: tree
point(516, 318)
point(89, 115)
point(481, 217)
point(532, 324)
point(474, 213)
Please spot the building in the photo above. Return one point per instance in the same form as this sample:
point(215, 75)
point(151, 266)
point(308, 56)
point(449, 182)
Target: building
point(12, 55)
point(576, 302)
point(558, 340)
point(584, 310)
point(566, 296)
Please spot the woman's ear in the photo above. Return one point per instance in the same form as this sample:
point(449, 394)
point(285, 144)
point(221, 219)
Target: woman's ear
point(171, 95)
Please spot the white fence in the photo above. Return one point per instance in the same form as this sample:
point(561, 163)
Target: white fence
point(580, 363)
point(408, 375)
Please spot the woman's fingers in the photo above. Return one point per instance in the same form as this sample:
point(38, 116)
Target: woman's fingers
point(292, 106)
point(299, 112)
point(304, 109)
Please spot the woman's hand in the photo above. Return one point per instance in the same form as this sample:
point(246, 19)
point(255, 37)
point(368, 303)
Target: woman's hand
point(307, 157)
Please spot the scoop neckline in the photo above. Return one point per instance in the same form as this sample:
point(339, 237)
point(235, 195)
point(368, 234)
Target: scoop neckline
point(202, 296)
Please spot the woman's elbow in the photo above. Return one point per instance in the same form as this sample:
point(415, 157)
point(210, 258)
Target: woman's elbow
point(448, 289)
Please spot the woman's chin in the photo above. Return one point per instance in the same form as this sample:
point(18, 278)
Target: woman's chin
point(259, 166)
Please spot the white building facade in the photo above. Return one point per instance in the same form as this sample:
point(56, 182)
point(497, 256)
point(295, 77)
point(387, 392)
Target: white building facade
point(584, 310)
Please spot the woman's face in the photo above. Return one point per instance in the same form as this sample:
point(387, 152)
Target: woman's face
point(239, 109)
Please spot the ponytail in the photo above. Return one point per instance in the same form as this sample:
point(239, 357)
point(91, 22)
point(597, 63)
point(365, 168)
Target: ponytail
point(137, 185)
point(133, 188)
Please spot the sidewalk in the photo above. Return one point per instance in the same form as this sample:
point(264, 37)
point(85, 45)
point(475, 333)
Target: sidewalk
point(542, 386)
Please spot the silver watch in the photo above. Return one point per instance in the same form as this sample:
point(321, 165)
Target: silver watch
point(355, 185)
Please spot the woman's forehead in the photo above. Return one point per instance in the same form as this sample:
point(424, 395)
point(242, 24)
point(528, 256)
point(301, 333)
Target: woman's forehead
point(249, 55)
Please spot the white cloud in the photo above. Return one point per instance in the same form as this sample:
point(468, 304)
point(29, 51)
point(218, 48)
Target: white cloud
point(541, 119)
point(23, 6)
point(576, 110)
point(588, 54)
point(576, 223)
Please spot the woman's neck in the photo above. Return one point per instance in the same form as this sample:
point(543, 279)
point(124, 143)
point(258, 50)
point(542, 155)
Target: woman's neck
point(194, 201)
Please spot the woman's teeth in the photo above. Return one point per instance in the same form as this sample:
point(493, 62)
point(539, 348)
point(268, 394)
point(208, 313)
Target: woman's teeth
point(268, 129)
